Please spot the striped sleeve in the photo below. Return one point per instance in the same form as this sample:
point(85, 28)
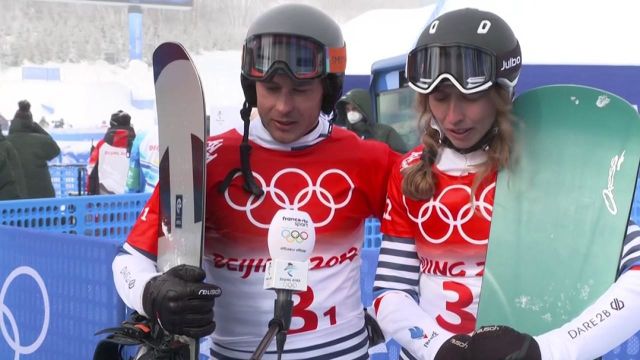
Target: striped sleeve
point(630, 248)
point(397, 301)
point(398, 267)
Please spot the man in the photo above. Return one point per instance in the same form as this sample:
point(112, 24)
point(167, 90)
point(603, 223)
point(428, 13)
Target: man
point(293, 65)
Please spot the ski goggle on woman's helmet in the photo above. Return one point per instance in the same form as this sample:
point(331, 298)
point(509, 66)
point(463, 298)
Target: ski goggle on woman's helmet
point(299, 56)
point(470, 48)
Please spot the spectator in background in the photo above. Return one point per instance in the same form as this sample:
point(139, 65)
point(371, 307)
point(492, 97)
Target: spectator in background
point(58, 124)
point(12, 185)
point(34, 147)
point(109, 159)
point(144, 162)
point(354, 111)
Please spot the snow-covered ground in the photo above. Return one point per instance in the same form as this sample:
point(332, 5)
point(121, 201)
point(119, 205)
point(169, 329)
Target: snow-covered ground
point(87, 94)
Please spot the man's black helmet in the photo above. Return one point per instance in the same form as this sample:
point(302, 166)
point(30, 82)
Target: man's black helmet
point(299, 40)
point(473, 49)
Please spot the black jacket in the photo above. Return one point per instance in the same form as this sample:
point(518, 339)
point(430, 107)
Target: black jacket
point(12, 184)
point(34, 147)
point(366, 128)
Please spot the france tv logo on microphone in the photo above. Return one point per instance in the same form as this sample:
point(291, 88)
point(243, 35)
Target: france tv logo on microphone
point(291, 235)
point(291, 239)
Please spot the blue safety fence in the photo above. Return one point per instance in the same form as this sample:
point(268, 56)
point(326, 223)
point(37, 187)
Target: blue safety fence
point(68, 179)
point(30, 258)
point(635, 208)
point(369, 255)
point(108, 216)
point(57, 291)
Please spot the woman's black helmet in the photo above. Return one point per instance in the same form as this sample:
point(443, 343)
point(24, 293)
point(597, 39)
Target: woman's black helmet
point(471, 48)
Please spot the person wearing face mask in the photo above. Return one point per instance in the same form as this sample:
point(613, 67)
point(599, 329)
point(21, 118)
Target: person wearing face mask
point(355, 112)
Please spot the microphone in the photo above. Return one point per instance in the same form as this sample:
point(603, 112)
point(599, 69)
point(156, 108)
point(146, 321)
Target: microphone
point(291, 239)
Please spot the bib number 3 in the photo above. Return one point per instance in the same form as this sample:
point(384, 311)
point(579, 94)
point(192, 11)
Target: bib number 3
point(464, 299)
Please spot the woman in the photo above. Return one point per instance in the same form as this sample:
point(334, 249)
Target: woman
point(465, 66)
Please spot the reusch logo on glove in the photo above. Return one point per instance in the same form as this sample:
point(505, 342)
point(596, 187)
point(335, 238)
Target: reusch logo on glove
point(214, 292)
point(486, 329)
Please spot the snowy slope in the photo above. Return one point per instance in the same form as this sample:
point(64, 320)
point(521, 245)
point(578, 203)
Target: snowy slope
point(550, 32)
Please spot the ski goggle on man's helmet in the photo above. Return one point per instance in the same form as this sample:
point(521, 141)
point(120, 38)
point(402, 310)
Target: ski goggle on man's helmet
point(470, 48)
point(301, 57)
point(300, 41)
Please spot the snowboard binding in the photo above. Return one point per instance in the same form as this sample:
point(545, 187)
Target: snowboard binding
point(154, 343)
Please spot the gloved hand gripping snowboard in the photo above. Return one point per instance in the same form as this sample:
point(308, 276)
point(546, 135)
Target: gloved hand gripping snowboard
point(180, 302)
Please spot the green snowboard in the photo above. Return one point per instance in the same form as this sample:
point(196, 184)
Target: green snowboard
point(560, 213)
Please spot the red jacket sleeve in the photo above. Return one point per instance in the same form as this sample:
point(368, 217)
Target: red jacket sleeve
point(147, 229)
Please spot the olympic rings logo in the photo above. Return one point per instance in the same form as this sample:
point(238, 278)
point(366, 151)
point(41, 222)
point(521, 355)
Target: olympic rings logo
point(294, 236)
point(281, 197)
point(455, 221)
point(14, 343)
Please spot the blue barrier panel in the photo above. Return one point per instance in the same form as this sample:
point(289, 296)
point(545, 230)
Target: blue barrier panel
point(372, 235)
point(635, 209)
point(68, 179)
point(109, 216)
point(369, 255)
point(40, 73)
point(75, 144)
point(628, 351)
point(57, 291)
point(367, 274)
point(29, 258)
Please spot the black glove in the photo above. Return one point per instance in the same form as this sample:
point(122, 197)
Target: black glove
point(181, 302)
point(497, 342)
point(456, 348)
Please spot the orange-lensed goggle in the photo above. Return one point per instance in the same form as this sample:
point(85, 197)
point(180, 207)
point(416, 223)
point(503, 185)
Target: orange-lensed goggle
point(301, 57)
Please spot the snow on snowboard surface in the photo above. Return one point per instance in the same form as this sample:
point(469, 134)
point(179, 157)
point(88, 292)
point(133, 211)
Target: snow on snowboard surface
point(560, 213)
